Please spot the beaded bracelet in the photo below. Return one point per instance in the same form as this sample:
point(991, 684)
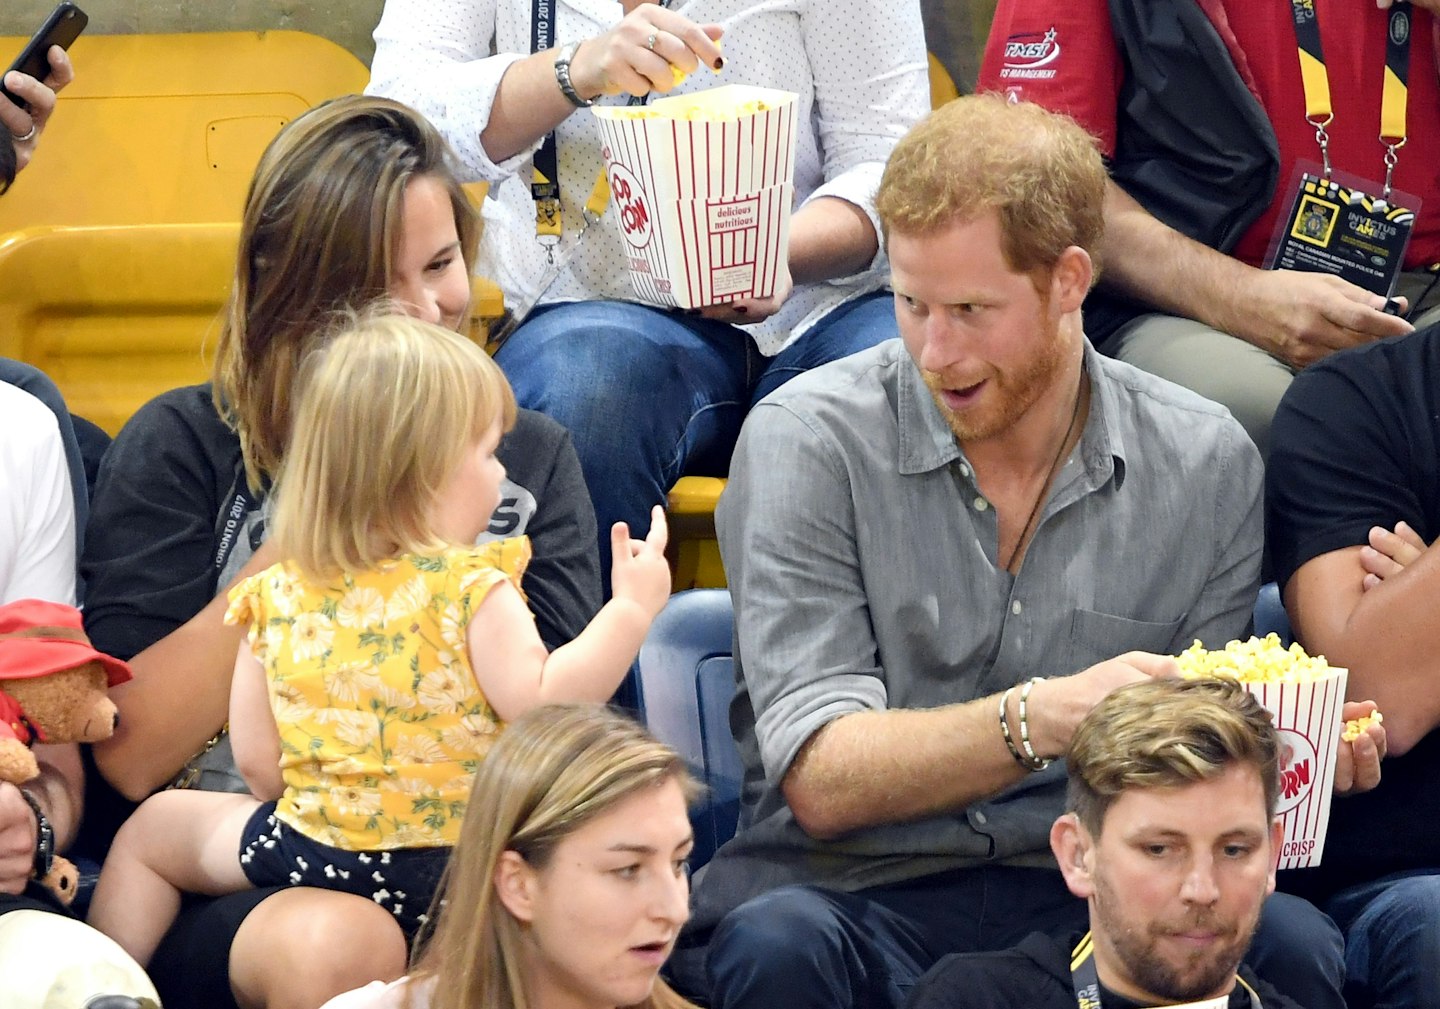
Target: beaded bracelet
point(1032, 760)
point(1005, 729)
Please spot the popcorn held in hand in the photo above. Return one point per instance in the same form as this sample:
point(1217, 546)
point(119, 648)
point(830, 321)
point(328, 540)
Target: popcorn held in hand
point(1252, 661)
point(1356, 727)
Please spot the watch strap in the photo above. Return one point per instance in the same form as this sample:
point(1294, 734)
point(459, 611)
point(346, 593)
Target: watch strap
point(44, 837)
point(562, 76)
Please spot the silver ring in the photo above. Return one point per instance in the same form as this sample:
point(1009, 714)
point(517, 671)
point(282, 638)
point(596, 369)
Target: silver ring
point(29, 136)
point(650, 42)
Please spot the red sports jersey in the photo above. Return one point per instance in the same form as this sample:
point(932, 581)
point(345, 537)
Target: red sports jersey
point(1063, 55)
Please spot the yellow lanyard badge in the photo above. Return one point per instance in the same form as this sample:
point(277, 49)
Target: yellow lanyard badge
point(1316, 81)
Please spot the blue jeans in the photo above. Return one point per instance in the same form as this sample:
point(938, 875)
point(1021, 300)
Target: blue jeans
point(651, 395)
point(805, 947)
point(1392, 940)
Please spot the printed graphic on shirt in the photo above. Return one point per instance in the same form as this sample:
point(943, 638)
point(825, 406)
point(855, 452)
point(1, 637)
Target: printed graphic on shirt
point(513, 514)
point(1341, 230)
point(1031, 56)
point(241, 527)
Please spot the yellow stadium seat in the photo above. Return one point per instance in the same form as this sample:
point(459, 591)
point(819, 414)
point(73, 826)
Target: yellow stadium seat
point(117, 247)
point(942, 85)
point(166, 129)
point(114, 314)
point(695, 554)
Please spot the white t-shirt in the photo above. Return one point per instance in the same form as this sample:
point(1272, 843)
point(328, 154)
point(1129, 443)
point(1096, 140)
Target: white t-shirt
point(859, 67)
point(37, 509)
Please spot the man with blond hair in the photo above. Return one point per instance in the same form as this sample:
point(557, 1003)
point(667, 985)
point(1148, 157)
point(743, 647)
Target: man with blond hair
point(943, 552)
point(1171, 838)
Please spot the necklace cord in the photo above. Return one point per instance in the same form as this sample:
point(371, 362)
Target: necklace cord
point(1050, 474)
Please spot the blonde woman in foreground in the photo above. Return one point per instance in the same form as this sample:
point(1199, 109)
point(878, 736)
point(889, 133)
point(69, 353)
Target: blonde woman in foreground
point(568, 886)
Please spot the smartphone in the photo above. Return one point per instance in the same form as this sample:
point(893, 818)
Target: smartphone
point(61, 28)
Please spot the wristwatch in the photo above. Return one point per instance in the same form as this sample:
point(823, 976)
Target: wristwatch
point(44, 838)
point(562, 76)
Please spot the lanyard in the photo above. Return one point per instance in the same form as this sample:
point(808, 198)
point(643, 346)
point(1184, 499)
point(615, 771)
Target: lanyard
point(1316, 82)
point(1087, 982)
point(545, 180)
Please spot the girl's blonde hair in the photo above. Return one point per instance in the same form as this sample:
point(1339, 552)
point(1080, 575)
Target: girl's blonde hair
point(552, 770)
point(319, 232)
point(388, 407)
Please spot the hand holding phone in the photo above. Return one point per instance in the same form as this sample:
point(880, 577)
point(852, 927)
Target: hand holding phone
point(61, 28)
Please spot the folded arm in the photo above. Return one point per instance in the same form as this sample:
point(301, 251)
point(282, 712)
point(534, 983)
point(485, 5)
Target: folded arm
point(1384, 636)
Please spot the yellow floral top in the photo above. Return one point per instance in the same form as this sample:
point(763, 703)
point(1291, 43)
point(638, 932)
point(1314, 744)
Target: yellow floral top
point(382, 723)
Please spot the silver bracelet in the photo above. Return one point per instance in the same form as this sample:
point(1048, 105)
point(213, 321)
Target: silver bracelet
point(1005, 728)
point(1032, 761)
point(562, 77)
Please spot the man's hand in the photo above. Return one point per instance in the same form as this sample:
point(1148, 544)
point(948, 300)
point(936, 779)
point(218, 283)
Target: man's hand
point(18, 832)
point(40, 96)
point(1056, 706)
point(1389, 552)
point(1357, 765)
point(1303, 317)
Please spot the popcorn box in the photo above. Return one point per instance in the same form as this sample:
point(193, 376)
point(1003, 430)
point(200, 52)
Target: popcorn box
point(1307, 716)
point(702, 186)
point(1304, 695)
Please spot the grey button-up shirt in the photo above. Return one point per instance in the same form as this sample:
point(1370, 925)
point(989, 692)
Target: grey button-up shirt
point(861, 554)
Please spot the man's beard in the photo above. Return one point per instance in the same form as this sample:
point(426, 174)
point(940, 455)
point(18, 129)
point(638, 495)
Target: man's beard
point(1012, 393)
point(1201, 974)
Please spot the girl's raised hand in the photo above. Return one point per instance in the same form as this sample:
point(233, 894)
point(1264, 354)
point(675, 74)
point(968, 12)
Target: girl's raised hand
point(639, 571)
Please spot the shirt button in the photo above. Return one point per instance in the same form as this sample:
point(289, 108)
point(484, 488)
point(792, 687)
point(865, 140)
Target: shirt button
point(1015, 607)
point(981, 504)
point(964, 470)
point(980, 818)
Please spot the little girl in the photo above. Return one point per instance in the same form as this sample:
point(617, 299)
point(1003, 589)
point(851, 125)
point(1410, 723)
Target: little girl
point(384, 655)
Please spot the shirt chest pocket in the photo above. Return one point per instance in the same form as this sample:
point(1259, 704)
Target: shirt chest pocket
point(1095, 637)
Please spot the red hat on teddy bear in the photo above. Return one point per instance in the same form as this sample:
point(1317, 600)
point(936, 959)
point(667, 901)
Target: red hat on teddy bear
point(38, 638)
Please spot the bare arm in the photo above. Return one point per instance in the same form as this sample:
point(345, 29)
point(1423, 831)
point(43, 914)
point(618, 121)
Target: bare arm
point(1297, 317)
point(830, 238)
point(254, 737)
point(178, 699)
point(877, 767)
point(1384, 636)
point(511, 663)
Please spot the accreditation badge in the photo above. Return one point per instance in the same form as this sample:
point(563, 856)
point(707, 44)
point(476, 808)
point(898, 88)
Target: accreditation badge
point(1336, 226)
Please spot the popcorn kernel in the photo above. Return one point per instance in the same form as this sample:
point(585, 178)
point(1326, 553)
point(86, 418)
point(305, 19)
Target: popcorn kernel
point(1355, 727)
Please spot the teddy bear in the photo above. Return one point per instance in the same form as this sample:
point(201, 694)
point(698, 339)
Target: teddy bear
point(52, 690)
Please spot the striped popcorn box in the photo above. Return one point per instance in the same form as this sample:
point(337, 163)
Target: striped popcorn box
point(1307, 715)
point(701, 186)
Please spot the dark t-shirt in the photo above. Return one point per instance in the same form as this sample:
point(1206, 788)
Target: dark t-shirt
point(1035, 975)
point(1355, 444)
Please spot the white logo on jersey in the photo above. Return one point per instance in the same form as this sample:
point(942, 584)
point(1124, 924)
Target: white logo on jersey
point(1029, 55)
